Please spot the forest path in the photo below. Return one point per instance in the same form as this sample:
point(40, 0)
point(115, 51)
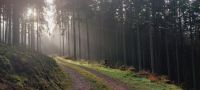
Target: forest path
point(78, 79)
point(79, 82)
point(114, 84)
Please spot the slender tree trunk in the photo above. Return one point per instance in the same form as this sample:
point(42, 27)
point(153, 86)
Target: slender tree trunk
point(74, 31)
point(10, 27)
point(3, 32)
point(151, 49)
point(6, 30)
point(167, 54)
point(25, 34)
point(79, 33)
point(193, 63)
point(133, 49)
point(33, 36)
point(68, 39)
point(63, 38)
point(60, 48)
point(38, 31)
point(29, 35)
point(124, 43)
point(117, 45)
point(177, 60)
point(0, 18)
point(139, 48)
point(88, 39)
point(0, 21)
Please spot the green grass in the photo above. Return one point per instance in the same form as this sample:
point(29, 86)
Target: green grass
point(96, 82)
point(68, 82)
point(127, 77)
point(23, 69)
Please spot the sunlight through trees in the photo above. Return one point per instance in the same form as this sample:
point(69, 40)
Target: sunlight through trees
point(158, 36)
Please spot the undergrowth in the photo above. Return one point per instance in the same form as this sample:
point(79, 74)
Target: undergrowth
point(23, 69)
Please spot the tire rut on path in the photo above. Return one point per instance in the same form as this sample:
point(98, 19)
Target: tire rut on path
point(114, 84)
point(79, 82)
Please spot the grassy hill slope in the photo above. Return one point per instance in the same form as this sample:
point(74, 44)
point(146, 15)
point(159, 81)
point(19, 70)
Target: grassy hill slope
point(26, 70)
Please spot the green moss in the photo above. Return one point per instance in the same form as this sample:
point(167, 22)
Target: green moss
point(30, 70)
point(18, 80)
point(127, 77)
point(5, 66)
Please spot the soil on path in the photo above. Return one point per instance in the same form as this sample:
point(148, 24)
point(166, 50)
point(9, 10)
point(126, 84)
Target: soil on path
point(79, 82)
point(114, 84)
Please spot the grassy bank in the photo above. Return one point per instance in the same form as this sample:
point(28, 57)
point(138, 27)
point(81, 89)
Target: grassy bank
point(127, 77)
point(22, 69)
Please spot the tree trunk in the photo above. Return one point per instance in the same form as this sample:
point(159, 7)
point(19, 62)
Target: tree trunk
point(38, 31)
point(3, 28)
point(68, 38)
point(0, 24)
point(124, 43)
point(177, 60)
point(88, 39)
point(151, 49)
point(79, 33)
point(74, 31)
point(139, 48)
point(63, 49)
point(167, 54)
point(10, 27)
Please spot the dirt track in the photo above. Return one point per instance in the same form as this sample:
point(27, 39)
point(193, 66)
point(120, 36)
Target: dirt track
point(79, 82)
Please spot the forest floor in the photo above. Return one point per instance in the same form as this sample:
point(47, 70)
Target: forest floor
point(88, 76)
point(81, 78)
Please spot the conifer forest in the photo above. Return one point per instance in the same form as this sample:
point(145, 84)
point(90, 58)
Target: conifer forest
point(76, 44)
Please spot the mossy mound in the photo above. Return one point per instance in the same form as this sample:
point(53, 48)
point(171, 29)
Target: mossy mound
point(23, 69)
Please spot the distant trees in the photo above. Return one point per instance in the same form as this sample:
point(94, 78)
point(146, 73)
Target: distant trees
point(19, 28)
point(160, 36)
